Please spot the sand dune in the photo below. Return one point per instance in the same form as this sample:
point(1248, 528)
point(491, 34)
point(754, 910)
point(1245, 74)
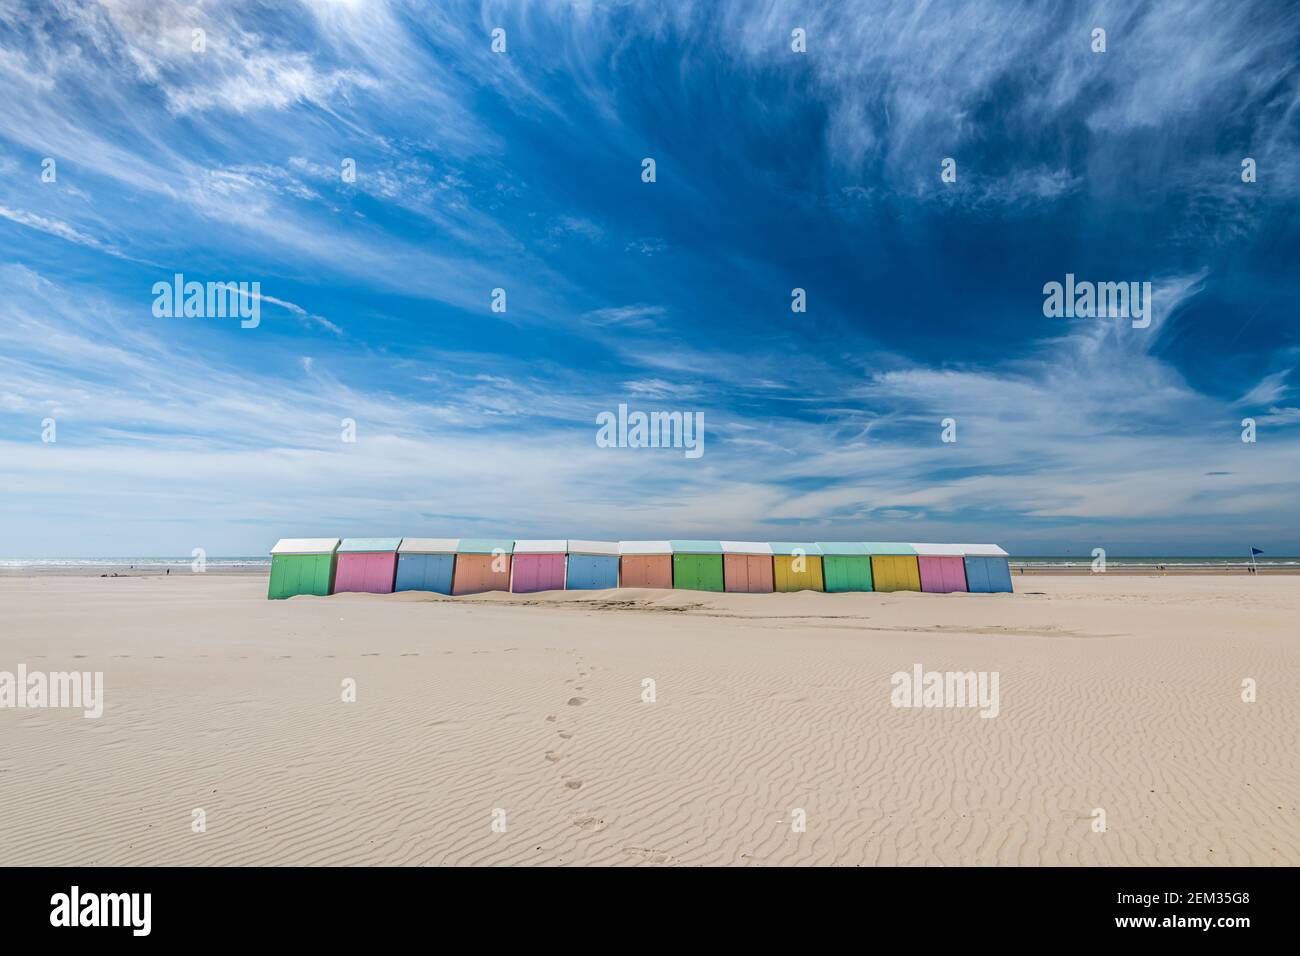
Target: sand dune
point(1116, 693)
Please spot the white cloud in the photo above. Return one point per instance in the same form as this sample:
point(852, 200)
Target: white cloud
point(165, 443)
point(60, 229)
point(1269, 390)
point(626, 316)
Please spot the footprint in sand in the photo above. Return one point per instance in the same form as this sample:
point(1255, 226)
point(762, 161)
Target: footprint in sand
point(577, 701)
point(573, 784)
point(551, 718)
point(552, 756)
point(589, 823)
point(566, 735)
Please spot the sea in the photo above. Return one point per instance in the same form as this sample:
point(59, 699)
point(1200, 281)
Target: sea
point(1144, 561)
point(247, 562)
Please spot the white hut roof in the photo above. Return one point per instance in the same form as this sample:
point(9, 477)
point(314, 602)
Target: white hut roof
point(981, 550)
point(306, 546)
point(645, 547)
point(939, 550)
point(593, 547)
point(541, 546)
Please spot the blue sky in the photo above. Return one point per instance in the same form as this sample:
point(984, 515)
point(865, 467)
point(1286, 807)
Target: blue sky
point(775, 170)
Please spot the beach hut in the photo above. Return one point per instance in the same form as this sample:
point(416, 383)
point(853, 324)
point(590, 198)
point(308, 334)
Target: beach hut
point(302, 566)
point(846, 566)
point(893, 566)
point(593, 566)
point(987, 570)
point(482, 564)
point(426, 564)
point(797, 566)
point(538, 566)
point(942, 567)
point(747, 566)
point(645, 564)
point(366, 565)
point(697, 565)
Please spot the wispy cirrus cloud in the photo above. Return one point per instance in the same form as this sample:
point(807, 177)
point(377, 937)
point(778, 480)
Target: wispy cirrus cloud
point(627, 316)
point(59, 229)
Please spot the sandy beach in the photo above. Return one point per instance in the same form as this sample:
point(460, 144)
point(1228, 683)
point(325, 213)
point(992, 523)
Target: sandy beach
point(1119, 693)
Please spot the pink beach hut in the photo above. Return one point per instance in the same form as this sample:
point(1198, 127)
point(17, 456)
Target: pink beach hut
point(747, 566)
point(367, 564)
point(538, 566)
point(943, 568)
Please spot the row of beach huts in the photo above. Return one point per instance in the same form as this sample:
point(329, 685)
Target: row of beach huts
point(474, 565)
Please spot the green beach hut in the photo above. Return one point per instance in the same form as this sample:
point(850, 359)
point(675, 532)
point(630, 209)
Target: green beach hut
point(302, 566)
point(697, 565)
point(846, 566)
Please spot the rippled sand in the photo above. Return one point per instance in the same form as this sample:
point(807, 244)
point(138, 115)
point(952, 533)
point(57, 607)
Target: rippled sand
point(1116, 693)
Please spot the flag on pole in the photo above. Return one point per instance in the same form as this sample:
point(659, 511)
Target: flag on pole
point(1254, 551)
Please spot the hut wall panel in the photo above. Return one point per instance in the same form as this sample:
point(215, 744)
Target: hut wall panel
point(293, 574)
point(368, 572)
point(941, 575)
point(786, 578)
point(277, 586)
point(977, 576)
point(1000, 575)
point(592, 572)
point(751, 573)
point(646, 571)
point(988, 575)
point(909, 573)
point(955, 575)
point(890, 572)
point(697, 572)
point(537, 572)
point(425, 572)
point(324, 568)
point(474, 575)
point(846, 572)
